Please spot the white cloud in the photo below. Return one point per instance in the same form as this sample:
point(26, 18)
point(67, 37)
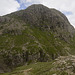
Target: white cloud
point(8, 6)
point(62, 5)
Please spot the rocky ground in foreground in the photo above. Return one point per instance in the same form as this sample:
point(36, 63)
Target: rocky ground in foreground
point(63, 65)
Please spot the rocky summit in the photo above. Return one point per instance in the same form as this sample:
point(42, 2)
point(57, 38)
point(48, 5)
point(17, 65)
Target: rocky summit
point(34, 37)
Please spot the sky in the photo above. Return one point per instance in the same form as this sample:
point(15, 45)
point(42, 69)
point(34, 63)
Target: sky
point(65, 6)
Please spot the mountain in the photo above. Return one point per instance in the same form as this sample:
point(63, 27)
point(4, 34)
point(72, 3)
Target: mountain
point(36, 34)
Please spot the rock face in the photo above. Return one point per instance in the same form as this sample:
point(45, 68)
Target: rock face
point(35, 34)
point(46, 18)
point(65, 63)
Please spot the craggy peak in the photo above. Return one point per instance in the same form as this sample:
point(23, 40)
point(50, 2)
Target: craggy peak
point(37, 41)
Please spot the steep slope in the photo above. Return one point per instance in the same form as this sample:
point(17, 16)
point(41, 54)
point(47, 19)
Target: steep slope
point(36, 34)
point(45, 18)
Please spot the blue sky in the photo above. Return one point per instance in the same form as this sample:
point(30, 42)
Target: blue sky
point(67, 13)
point(22, 5)
point(65, 6)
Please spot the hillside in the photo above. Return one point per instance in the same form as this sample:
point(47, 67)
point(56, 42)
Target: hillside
point(63, 65)
point(36, 34)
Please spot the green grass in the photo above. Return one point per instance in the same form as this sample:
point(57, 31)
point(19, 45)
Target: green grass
point(35, 41)
point(39, 68)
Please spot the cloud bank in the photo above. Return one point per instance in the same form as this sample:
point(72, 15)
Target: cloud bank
point(8, 6)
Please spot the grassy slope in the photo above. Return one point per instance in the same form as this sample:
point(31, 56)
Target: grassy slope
point(32, 40)
point(63, 65)
point(40, 68)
